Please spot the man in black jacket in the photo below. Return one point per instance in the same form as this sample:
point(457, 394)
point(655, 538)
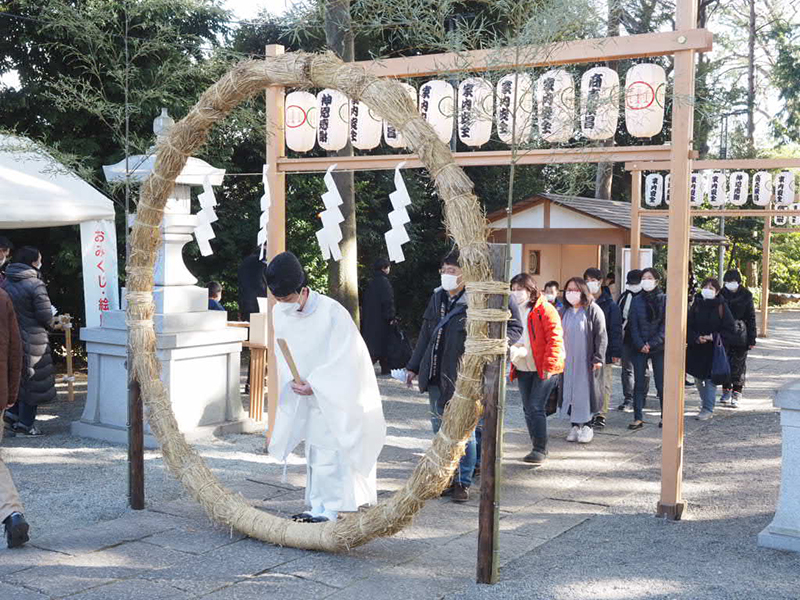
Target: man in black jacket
point(740, 301)
point(633, 287)
point(378, 314)
point(252, 276)
point(438, 352)
point(602, 295)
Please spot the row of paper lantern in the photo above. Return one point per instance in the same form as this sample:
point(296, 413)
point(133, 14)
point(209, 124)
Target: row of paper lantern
point(329, 118)
point(721, 189)
point(794, 220)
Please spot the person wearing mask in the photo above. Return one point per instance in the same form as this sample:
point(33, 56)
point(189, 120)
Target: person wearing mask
point(585, 344)
point(551, 289)
point(215, 296)
point(633, 287)
point(647, 322)
point(740, 301)
point(5, 255)
point(16, 528)
point(602, 296)
point(378, 314)
point(709, 316)
point(537, 360)
point(438, 352)
point(34, 315)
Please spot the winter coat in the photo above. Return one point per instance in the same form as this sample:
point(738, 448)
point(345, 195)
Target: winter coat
point(33, 308)
point(439, 350)
point(742, 308)
point(377, 313)
point(613, 325)
point(597, 346)
point(252, 279)
point(647, 320)
point(546, 338)
point(10, 353)
point(704, 319)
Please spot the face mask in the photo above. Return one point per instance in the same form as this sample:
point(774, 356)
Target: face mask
point(635, 288)
point(550, 297)
point(449, 282)
point(732, 286)
point(520, 297)
point(594, 286)
point(574, 298)
point(708, 293)
point(288, 308)
point(648, 285)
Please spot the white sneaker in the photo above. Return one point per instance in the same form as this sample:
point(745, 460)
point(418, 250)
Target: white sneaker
point(725, 400)
point(586, 435)
point(704, 415)
point(735, 398)
point(573, 434)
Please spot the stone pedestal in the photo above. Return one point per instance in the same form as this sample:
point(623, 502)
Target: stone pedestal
point(199, 354)
point(784, 531)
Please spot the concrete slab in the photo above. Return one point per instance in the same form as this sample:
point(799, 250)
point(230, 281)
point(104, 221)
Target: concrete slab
point(273, 585)
point(194, 538)
point(132, 589)
point(16, 592)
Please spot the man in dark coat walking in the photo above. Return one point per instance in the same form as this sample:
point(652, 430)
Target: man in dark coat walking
point(252, 276)
point(16, 528)
point(378, 314)
point(740, 301)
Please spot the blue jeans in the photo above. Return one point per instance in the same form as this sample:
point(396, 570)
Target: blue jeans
point(641, 380)
point(25, 414)
point(708, 393)
point(466, 468)
point(535, 391)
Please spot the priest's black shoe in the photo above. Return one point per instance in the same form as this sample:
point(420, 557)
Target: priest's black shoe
point(16, 530)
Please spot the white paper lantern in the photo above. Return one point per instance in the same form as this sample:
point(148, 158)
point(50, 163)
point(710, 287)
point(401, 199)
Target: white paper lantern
point(437, 107)
point(784, 188)
point(475, 110)
point(645, 92)
point(653, 189)
point(780, 220)
point(365, 126)
point(794, 220)
point(738, 188)
point(392, 136)
point(514, 113)
point(667, 188)
point(301, 121)
point(334, 119)
point(555, 96)
point(599, 103)
point(717, 189)
point(696, 189)
point(762, 188)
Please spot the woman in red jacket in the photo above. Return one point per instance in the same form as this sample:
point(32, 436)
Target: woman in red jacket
point(537, 359)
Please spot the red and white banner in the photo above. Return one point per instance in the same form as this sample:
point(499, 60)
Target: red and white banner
point(100, 282)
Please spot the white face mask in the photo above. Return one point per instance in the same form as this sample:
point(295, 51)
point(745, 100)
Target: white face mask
point(648, 285)
point(574, 298)
point(520, 297)
point(594, 286)
point(732, 286)
point(288, 308)
point(550, 297)
point(634, 288)
point(709, 293)
point(449, 282)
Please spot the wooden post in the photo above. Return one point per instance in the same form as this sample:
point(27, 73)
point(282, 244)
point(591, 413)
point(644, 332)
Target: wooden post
point(492, 438)
point(258, 359)
point(671, 504)
point(636, 221)
point(765, 256)
point(276, 231)
point(135, 443)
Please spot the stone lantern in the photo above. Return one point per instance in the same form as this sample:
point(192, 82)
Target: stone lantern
point(199, 353)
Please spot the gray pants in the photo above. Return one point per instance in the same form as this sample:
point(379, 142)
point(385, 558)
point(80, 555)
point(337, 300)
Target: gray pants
point(9, 498)
point(628, 353)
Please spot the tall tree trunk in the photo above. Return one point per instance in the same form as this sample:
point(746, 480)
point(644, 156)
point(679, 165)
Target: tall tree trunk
point(343, 275)
point(751, 81)
point(702, 126)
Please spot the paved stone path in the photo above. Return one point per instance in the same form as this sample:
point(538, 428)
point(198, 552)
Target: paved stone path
point(582, 527)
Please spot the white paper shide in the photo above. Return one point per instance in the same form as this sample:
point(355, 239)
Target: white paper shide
point(331, 233)
point(398, 217)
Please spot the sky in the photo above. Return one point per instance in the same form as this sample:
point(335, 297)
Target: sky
point(248, 9)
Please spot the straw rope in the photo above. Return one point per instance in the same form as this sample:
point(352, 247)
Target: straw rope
point(465, 222)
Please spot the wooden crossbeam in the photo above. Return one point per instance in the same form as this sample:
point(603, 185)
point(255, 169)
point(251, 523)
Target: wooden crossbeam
point(761, 164)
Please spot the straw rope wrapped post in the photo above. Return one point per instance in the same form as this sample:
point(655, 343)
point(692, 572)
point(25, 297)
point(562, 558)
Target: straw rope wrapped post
point(465, 222)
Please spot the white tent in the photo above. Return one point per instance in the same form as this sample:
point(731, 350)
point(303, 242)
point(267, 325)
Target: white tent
point(38, 191)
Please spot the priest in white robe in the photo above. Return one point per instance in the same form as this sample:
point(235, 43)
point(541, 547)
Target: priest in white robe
point(336, 407)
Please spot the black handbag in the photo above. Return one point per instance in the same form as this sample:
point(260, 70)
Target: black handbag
point(398, 348)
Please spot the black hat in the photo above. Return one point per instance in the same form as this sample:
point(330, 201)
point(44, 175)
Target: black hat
point(285, 275)
point(634, 277)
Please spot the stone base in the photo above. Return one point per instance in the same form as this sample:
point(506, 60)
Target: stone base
point(119, 435)
point(784, 540)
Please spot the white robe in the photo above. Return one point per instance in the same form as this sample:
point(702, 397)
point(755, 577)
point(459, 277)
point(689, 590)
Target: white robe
point(342, 422)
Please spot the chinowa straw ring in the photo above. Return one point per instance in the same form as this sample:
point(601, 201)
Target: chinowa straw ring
point(465, 222)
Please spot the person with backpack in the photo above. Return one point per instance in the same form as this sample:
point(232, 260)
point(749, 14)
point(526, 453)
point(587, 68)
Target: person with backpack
point(537, 360)
point(740, 301)
point(710, 324)
point(646, 321)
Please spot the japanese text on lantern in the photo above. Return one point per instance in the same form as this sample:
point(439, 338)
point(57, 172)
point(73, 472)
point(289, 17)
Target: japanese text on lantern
point(354, 121)
point(425, 104)
point(465, 119)
point(324, 117)
point(504, 112)
point(100, 253)
point(593, 100)
point(547, 106)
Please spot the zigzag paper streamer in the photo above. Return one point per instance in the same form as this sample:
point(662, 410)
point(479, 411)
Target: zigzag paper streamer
point(331, 233)
point(203, 233)
point(397, 235)
point(266, 202)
